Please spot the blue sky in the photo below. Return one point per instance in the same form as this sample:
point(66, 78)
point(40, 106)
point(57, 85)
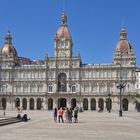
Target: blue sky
point(94, 25)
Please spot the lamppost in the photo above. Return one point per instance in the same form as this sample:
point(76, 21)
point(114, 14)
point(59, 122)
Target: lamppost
point(42, 100)
point(121, 86)
point(109, 103)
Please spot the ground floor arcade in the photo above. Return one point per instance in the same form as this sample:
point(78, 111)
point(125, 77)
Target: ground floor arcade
point(50, 102)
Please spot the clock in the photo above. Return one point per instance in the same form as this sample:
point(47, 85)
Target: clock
point(62, 54)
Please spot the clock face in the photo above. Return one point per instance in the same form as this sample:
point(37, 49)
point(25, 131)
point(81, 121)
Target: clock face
point(62, 54)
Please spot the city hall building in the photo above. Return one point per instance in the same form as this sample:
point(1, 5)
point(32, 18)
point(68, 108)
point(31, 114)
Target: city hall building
point(63, 80)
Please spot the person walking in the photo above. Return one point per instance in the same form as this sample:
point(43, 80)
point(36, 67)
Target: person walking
point(75, 115)
point(66, 115)
point(60, 115)
point(70, 115)
point(55, 114)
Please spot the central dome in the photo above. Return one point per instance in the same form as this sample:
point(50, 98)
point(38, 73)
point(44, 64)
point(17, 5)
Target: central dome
point(63, 30)
point(123, 45)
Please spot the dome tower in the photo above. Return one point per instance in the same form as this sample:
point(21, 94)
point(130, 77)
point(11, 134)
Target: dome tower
point(8, 49)
point(63, 40)
point(124, 51)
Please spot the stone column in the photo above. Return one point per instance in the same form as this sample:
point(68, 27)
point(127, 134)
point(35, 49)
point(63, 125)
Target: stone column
point(8, 104)
point(44, 105)
point(35, 104)
point(68, 103)
point(55, 103)
point(97, 104)
point(89, 104)
point(28, 103)
point(131, 106)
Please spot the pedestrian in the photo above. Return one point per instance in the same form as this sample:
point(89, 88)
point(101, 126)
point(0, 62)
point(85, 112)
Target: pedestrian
point(66, 115)
point(70, 115)
point(55, 114)
point(18, 109)
point(21, 109)
point(60, 115)
point(75, 115)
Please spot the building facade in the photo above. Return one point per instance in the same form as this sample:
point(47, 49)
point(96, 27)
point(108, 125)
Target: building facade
point(63, 80)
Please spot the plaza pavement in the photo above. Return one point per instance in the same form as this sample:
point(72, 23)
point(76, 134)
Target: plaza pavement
point(92, 126)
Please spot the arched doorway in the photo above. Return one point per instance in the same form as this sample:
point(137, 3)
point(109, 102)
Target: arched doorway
point(73, 103)
point(24, 103)
point(85, 104)
point(62, 102)
point(32, 104)
point(93, 104)
point(3, 103)
point(101, 104)
point(125, 104)
point(50, 104)
point(17, 102)
point(108, 104)
point(62, 85)
point(38, 104)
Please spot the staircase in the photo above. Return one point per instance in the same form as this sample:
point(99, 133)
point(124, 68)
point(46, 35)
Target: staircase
point(7, 121)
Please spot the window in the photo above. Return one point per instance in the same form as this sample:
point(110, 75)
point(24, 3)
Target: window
point(39, 88)
point(109, 74)
point(25, 88)
point(93, 74)
point(62, 85)
point(124, 73)
point(74, 88)
point(50, 87)
point(32, 88)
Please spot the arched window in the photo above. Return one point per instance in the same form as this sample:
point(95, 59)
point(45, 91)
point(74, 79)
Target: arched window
point(62, 86)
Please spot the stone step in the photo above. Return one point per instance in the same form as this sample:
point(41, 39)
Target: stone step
point(9, 121)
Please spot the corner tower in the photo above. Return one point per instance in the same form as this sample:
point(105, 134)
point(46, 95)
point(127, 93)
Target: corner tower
point(8, 49)
point(124, 51)
point(63, 40)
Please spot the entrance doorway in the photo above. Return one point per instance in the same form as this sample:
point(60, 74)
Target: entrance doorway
point(125, 104)
point(32, 104)
point(50, 104)
point(73, 103)
point(24, 103)
point(62, 102)
point(38, 104)
point(4, 103)
point(101, 104)
point(108, 104)
point(17, 102)
point(93, 104)
point(85, 104)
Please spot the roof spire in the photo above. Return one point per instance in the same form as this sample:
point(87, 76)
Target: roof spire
point(63, 19)
point(123, 33)
point(8, 38)
point(63, 8)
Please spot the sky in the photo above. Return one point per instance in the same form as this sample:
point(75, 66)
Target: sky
point(95, 26)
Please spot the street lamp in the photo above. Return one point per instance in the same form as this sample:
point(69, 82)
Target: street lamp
point(121, 86)
point(42, 100)
point(109, 103)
